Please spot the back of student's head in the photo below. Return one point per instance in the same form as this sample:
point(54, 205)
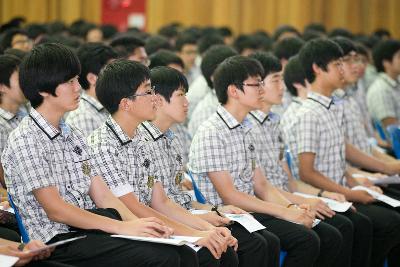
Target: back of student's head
point(155, 43)
point(185, 39)
point(8, 64)
point(234, 71)
point(212, 58)
point(164, 58)
point(245, 42)
point(46, 67)
point(119, 79)
point(384, 51)
point(292, 74)
point(319, 52)
point(167, 80)
point(345, 44)
point(285, 31)
point(288, 47)
point(93, 56)
point(318, 27)
point(270, 63)
point(16, 53)
point(126, 45)
point(207, 41)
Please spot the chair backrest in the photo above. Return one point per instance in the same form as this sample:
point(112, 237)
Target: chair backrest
point(289, 159)
point(381, 131)
point(21, 227)
point(394, 134)
point(199, 196)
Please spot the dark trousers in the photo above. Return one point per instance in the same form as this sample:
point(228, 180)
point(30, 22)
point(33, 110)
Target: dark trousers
point(253, 249)
point(274, 247)
point(345, 227)
point(301, 244)
point(386, 233)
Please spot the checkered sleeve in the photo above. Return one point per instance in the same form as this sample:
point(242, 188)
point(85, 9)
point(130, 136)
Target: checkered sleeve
point(109, 163)
point(3, 139)
point(86, 124)
point(383, 105)
point(30, 159)
point(208, 152)
point(307, 132)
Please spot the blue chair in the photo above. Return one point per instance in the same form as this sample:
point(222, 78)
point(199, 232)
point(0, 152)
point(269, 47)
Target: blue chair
point(394, 134)
point(199, 196)
point(289, 159)
point(381, 131)
point(21, 227)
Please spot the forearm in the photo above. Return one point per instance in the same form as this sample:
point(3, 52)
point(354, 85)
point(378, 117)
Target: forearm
point(305, 188)
point(382, 156)
point(199, 206)
point(318, 180)
point(2, 181)
point(5, 242)
point(292, 198)
point(361, 159)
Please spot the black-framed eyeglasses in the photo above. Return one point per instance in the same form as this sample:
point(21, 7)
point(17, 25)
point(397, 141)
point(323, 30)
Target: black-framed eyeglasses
point(258, 84)
point(149, 92)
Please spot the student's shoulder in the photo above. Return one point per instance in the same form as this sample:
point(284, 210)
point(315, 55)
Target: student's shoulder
point(102, 138)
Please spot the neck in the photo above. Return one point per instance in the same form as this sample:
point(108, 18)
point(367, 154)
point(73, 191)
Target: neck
point(91, 92)
point(238, 113)
point(321, 88)
point(52, 115)
point(10, 106)
point(162, 122)
point(127, 123)
point(392, 74)
point(266, 108)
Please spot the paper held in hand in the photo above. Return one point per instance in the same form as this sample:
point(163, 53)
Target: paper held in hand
point(378, 196)
point(175, 240)
point(333, 204)
point(393, 179)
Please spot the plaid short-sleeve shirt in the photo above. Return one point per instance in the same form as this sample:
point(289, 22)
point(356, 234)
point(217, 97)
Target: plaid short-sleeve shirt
point(318, 128)
point(206, 107)
point(8, 122)
point(266, 133)
point(125, 164)
point(383, 98)
point(289, 117)
point(184, 138)
point(223, 144)
point(89, 116)
point(37, 156)
point(167, 154)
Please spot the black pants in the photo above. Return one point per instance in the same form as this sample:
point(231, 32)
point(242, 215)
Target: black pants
point(301, 244)
point(386, 232)
point(9, 234)
point(345, 227)
point(274, 247)
point(253, 249)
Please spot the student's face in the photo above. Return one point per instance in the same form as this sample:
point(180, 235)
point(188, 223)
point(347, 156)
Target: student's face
point(144, 105)
point(362, 65)
point(177, 108)
point(21, 42)
point(188, 55)
point(273, 88)
point(334, 74)
point(252, 94)
point(67, 95)
point(140, 55)
point(94, 35)
point(350, 67)
point(14, 92)
point(396, 63)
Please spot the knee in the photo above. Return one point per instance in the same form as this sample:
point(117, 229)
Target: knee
point(272, 241)
point(167, 258)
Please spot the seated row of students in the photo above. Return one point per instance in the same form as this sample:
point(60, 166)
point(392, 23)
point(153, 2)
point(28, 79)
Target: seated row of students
point(228, 160)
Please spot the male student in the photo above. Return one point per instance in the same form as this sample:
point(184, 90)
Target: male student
point(318, 145)
point(186, 49)
point(223, 162)
point(48, 172)
point(90, 114)
point(383, 96)
point(170, 86)
point(267, 135)
point(124, 159)
point(130, 47)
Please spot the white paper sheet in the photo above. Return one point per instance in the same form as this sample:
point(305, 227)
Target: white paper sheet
point(393, 179)
point(7, 261)
point(173, 240)
point(333, 204)
point(247, 221)
point(381, 197)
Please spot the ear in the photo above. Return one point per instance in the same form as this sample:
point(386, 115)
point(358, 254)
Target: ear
point(3, 88)
point(125, 104)
point(91, 78)
point(316, 69)
point(386, 64)
point(44, 94)
point(232, 91)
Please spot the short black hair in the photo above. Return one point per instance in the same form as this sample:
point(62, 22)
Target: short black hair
point(361, 49)
point(320, 52)
point(93, 57)
point(212, 58)
point(6, 40)
point(155, 43)
point(234, 71)
point(126, 44)
point(245, 41)
point(46, 67)
point(225, 31)
point(288, 47)
point(109, 31)
point(310, 34)
point(185, 39)
point(15, 52)
point(119, 79)
point(346, 44)
point(169, 31)
point(167, 80)
point(318, 27)
point(270, 63)
point(164, 58)
point(381, 32)
point(35, 29)
point(294, 73)
point(384, 50)
point(207, 41)
point(340, 32)
point(8, 64)
point(284, 29)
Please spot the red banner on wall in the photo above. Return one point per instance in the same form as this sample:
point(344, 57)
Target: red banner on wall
point(124, 13)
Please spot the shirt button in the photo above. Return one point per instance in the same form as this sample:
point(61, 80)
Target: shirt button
point(79, 198)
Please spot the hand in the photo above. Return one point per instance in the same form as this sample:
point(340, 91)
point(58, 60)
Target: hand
point(359, 196)
point(334, 196)
point(232, 241)
point(24, 257)
point(214, 218)
point(215, 242)
point(5, 204)
point(300, 216)
point(392, 168)
point(186, 185)
point(321, 209)
point(147, 227)
point(376, 189)
point(36, 244)
point(231, 209)
point(364, 181)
